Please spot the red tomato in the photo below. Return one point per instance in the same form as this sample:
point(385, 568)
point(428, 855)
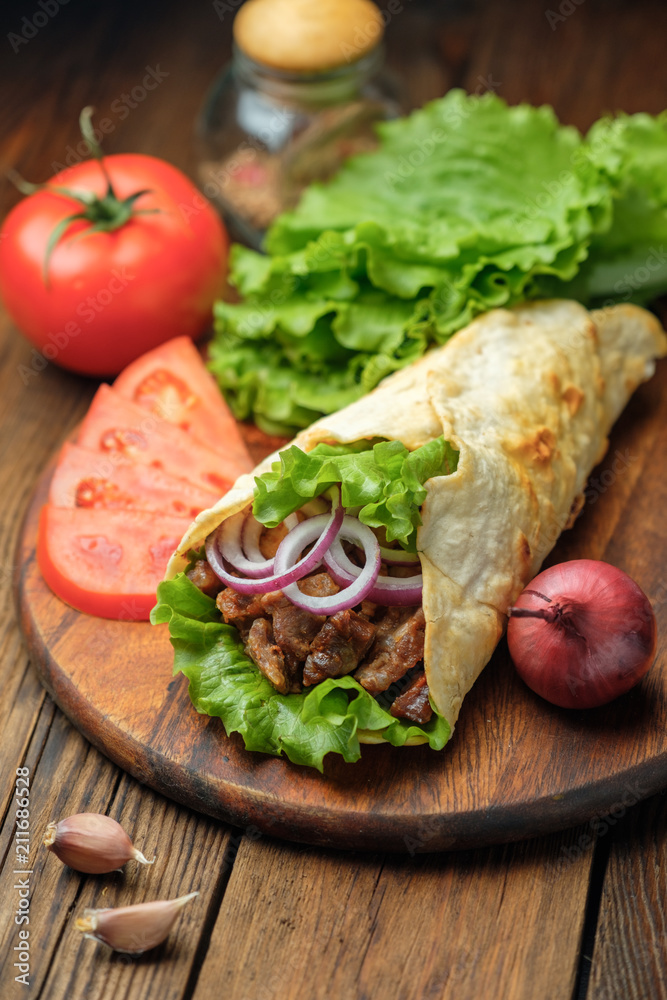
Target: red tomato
point(117, 427)
point(111, 296)
point(172, 382)
point(106, 562)
point(90, 480)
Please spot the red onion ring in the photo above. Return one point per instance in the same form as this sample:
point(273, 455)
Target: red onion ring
point(356, 590)
point(324, 528)
point(250, 534)
point(230, 540)
point(387, 590)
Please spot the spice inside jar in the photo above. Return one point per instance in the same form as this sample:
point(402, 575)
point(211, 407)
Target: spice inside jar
point(302, 94)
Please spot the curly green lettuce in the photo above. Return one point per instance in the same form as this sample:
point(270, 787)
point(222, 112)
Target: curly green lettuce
point(383, 482)
point(466, 205)
point(627, 262)
point(224, 682)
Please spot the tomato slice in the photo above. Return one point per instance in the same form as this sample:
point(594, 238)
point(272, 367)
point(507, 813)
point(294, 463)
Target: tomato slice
point(172, 382)
point(106, 562)
point(87, 479)
point(118, 427)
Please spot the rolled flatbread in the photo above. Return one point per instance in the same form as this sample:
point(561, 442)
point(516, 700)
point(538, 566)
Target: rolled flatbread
point(528, 397)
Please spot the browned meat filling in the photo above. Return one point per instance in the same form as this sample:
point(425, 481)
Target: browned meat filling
point(270, 540)
point(413, 704)
point(267, 655)
point(338, 646)
point(239, 609)
point(398, 647)
point(293, 627)
point(203, 577)
point(293, 647)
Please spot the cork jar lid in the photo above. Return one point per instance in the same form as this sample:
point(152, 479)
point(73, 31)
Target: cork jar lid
point(306, 36)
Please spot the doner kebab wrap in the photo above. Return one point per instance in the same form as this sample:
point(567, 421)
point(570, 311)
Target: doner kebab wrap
point(463, 469)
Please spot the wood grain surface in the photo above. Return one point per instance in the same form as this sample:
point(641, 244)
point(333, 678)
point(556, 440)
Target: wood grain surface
point(575, 914)
point(515, 766)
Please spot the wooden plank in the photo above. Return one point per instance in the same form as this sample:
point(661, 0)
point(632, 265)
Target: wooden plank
point(586, 63)
point(630, 955)
point(27, 439)
point(68, 776)
point(300, 923)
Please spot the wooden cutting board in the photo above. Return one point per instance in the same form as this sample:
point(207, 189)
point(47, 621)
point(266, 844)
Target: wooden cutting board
point(516, 766)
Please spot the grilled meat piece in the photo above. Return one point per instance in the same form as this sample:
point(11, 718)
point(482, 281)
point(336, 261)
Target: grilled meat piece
point(338, 647)
point(368, 610)
point(397, 648)
point(294, 629)
point(280, 637)
point(270, 539)
point(267, 655)
point(204, 578)
point(318, 585)
point(239, 609)
point(392, 618)
point(413, 704)
point(389, 621)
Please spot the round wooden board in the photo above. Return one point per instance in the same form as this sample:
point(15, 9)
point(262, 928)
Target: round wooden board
point(516, 766)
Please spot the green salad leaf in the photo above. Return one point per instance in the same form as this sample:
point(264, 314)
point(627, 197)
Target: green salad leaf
point(466, 205)
point(628, 261)
point(225, 683)
point(384, 480)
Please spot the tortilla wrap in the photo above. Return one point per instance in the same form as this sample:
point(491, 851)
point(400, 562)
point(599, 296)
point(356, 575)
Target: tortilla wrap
point(528, 397)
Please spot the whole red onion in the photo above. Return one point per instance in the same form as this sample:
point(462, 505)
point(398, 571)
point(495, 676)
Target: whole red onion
point(582, 633)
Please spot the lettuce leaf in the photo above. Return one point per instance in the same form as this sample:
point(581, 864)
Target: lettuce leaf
point(225, 683)
point(466, 205)
point(628, 262)
point(384, 480)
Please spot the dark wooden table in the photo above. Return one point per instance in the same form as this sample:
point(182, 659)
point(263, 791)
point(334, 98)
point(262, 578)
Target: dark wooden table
point(566, 916)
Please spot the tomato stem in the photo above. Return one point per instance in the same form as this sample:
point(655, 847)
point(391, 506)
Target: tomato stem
point(24, 186)
point(88, 133)
point(105, 214)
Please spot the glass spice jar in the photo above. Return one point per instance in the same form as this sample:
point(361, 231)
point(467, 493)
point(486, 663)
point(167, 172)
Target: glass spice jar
point(302, 93)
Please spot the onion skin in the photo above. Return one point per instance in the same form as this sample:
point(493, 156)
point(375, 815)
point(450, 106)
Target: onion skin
point(582, 634)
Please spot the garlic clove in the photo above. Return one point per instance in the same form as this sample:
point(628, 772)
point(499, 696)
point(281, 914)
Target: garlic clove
point(91, 843)
point(133, 929)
